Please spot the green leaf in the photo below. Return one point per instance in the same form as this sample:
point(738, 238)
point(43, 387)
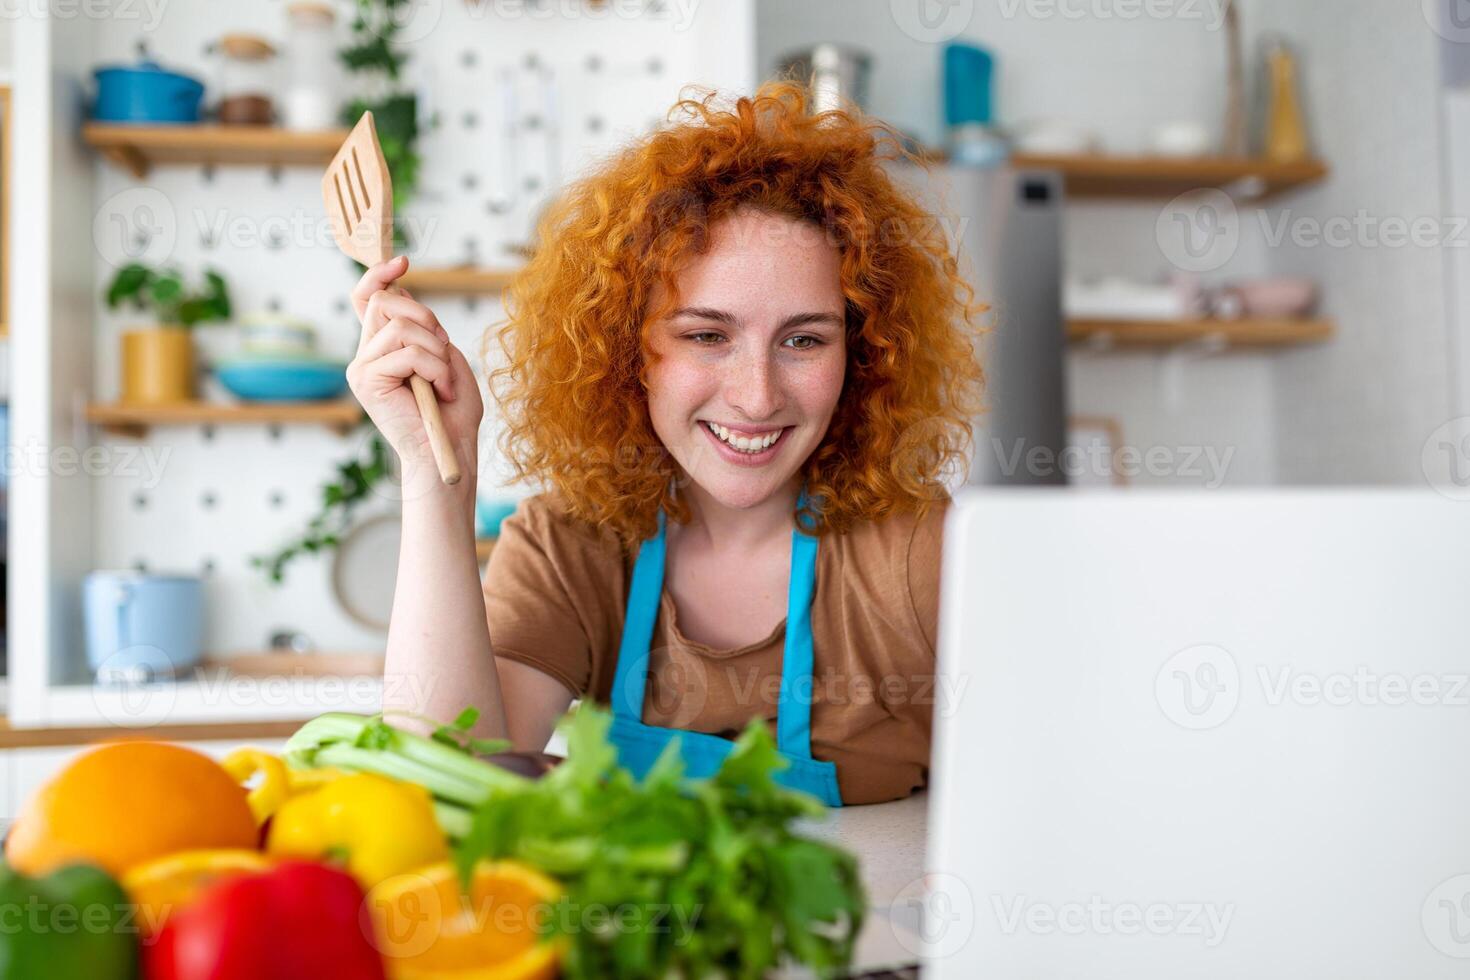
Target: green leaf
point(166, 288)
point(488, 746)
point(378, 734)
point(127, 284)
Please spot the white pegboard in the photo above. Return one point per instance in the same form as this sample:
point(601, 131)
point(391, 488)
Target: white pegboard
point(570, 87)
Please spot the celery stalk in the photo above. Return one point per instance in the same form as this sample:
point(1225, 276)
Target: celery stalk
point(455, 821)
point(361, 743)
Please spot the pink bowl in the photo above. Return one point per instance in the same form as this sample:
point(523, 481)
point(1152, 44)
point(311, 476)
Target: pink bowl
point(1277, 298)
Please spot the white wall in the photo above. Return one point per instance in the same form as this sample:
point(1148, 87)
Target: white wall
point(1359, 410)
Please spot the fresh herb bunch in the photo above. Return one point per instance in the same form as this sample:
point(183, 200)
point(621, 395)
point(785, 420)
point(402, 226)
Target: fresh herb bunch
point(340, 499)
point(162, 291)
point(673, 877)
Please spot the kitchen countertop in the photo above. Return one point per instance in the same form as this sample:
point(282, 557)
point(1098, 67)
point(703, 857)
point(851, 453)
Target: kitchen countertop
point(889, 840)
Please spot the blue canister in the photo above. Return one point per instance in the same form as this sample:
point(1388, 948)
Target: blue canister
point(972, 141)
point(968, 70)
point(141, 626)
point(146, 93)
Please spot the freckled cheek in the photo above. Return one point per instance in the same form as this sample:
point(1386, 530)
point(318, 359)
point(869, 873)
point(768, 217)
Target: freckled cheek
point(678, 389)
point(816, 387)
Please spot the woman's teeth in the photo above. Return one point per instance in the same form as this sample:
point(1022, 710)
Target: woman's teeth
point(746, 444)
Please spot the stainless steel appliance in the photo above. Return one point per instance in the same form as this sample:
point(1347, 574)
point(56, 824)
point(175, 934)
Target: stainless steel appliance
point(834, 72)
point(1005, 225)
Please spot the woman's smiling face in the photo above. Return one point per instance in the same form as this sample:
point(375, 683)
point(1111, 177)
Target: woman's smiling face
point(752, 360)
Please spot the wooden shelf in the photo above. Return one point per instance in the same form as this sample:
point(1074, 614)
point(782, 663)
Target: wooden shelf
point(1233, 333)
point(28, 738)
point(1133, 177)
point(277, 663)
point(136, 148)
point(464, 279)
point(1098, 175)
point(340, 415)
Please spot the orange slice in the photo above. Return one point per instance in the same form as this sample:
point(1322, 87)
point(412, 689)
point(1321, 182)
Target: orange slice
point(162, 886)
point(428, 929)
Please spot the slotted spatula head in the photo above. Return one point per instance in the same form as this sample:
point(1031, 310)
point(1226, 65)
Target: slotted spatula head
point(358, 194)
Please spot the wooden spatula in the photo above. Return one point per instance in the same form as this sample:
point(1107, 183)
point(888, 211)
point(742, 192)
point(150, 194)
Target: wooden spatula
point(358, 194)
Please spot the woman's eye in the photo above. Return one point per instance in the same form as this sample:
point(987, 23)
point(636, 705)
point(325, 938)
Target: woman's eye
point(705, 337)
point(803, 342)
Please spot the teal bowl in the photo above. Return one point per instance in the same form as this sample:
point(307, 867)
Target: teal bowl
point(490, 512)
point(283, 379)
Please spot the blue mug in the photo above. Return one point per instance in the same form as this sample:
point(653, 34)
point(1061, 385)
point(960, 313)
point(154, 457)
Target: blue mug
point(141, 627)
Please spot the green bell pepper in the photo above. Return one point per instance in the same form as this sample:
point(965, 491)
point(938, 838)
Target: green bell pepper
point(73, 924)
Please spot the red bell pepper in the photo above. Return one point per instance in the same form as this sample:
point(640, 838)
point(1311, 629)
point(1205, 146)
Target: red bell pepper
point(299, 921)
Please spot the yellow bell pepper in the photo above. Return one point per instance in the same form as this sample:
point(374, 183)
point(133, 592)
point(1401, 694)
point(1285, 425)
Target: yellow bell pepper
point(277, 783)
point(380, 827)
point(268, 795)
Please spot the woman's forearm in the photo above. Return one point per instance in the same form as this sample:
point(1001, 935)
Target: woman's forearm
point(438, 657)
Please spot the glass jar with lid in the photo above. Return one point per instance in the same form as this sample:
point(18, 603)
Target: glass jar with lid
point(311, 98)
point(247, 80)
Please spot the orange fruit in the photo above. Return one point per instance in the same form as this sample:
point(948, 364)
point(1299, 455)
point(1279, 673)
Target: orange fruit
point(427, 928)
point(161, 887)
point(123, 803)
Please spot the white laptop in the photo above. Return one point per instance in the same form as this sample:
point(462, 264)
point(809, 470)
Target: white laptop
point(1202, 734)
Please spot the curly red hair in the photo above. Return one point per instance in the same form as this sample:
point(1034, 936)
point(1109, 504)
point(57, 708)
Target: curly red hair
point(572, 391)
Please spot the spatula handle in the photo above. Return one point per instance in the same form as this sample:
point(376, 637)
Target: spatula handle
point(439, 444)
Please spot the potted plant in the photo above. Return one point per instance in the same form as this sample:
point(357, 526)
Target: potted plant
point(158, 361)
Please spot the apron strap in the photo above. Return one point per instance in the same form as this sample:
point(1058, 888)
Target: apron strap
point(794, 711)
point(630, 679)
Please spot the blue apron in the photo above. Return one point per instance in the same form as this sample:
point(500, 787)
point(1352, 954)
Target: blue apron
point(640, 745)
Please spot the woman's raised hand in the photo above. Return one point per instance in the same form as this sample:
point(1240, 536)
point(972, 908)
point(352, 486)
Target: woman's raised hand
point(402, 337)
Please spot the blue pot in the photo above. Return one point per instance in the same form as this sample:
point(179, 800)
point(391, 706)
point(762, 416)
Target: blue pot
point(145, 93)
point(142, 627)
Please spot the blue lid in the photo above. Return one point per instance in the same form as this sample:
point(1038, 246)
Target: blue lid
point(967, 76)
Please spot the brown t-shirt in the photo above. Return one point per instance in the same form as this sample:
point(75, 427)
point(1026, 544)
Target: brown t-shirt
point(556, 589)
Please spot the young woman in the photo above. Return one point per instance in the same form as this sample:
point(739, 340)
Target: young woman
point(741, 366)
